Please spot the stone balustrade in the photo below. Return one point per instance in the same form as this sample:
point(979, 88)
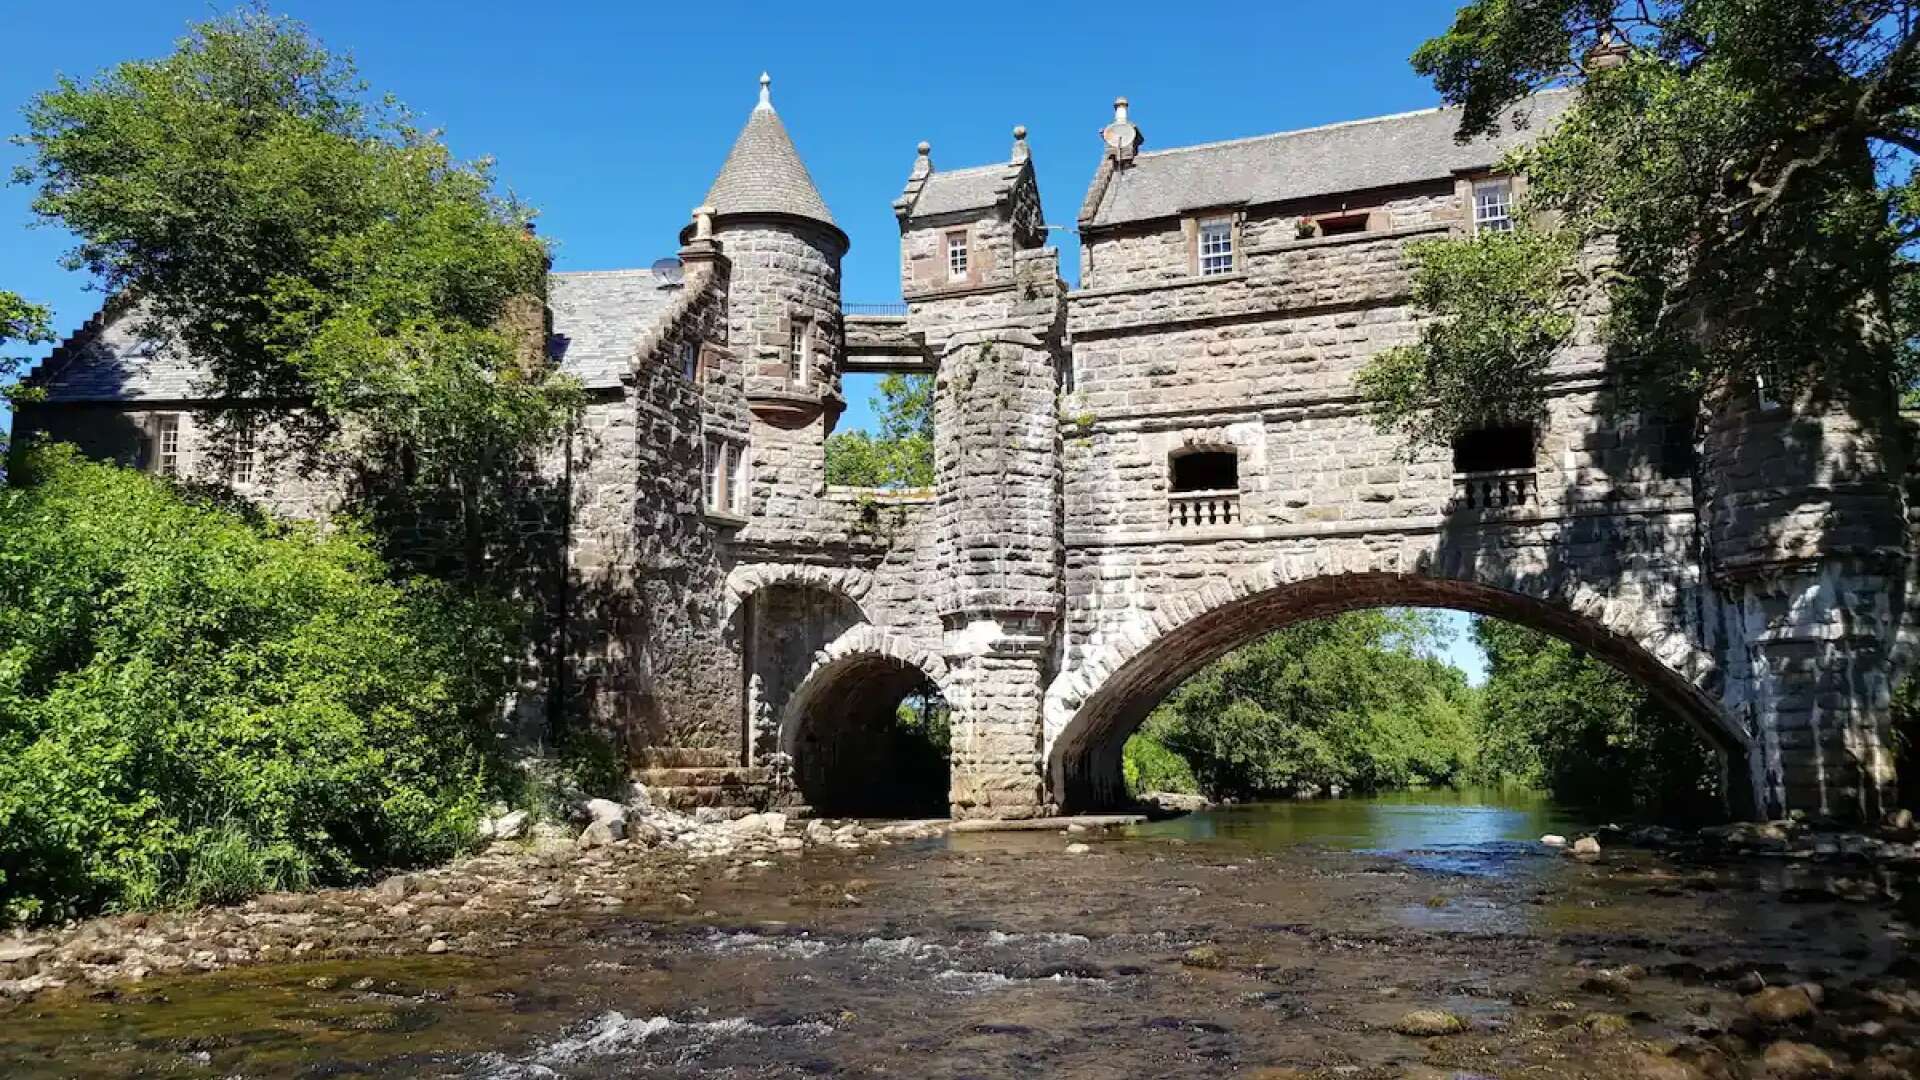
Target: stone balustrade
point(1201, 509)
point(1495, 489)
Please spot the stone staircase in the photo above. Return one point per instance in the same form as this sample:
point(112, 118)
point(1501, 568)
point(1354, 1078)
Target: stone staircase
point(689, 779)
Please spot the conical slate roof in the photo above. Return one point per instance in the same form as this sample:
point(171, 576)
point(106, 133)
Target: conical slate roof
point(764, 173)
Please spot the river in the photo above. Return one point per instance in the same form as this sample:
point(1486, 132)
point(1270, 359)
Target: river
point(1281, 940)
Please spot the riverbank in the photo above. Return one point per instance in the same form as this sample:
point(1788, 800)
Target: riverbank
point(516, 890)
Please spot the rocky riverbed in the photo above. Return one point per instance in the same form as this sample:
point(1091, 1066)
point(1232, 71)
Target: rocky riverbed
point(1358, 940)
point(527, 881)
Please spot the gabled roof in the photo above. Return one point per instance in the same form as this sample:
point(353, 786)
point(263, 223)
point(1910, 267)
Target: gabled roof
point(599, 316)
point(763, 173)
point(1359, 155)
point(961, 190)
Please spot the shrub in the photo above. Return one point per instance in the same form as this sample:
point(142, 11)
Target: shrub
point(195, 706)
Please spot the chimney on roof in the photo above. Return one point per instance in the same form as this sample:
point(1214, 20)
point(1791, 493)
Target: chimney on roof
point(1608, 54)
point(1123, 139)
point(1020, 152)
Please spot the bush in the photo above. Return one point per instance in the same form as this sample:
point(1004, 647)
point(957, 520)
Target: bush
point(195, 706)
point(1149, 766)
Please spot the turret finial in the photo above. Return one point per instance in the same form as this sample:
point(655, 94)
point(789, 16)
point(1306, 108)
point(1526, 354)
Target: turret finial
point(922, 162)
point(766, 90)
point(1020, 152)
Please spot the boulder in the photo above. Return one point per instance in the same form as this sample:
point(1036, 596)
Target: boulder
point(599, 810)
point(1781, 1005)
point(508, 826)
point(1422, 1023)
point(13, 952)
point(768, 824)
point(1554, 840)
point(602, 833)
point(1078, 849)
point(1796, 1061)
point(1586, 845)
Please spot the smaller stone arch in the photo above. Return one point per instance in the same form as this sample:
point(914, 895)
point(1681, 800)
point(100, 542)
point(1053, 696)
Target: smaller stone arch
point(745, 580)
point(834, 728)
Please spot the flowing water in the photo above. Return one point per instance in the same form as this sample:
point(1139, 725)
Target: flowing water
point(1279, 937)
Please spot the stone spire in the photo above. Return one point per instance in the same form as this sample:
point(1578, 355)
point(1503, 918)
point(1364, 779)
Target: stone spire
point(764, 174)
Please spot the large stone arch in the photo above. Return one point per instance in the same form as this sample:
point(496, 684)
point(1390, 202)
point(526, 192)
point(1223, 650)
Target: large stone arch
point(841, 707)
point(1091, 707)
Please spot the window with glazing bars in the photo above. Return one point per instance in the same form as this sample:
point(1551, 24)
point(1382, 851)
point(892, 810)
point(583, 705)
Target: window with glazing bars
point(799, 350)
point(244, 454)
point(1493, 206)
point(166, 461)
point(1216, 246)
point(956, 256)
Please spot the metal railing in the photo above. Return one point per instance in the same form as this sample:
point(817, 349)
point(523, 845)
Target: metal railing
point(874, 309)
point(1199, 509)
point(1497, 489)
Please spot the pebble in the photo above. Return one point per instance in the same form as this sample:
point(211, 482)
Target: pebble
point(1422, 1023)
point(1078, 849)
point(1781, 1005)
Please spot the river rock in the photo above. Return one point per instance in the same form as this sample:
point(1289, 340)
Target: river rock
point(1586, 845)
point(1796, 1061)
point(602, 834)
point(605, 810)
point(1554, 840)
point(1078, 849)
point(1422, 1023)
point(1204, 956)
point(509, 826)
point(1606, 1025)
point(770, 823)
point(13, 952)
point(1781, 1005)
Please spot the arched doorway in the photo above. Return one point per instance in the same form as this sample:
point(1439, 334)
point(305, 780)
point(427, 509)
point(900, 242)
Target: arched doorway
point(867, 736)
point(1085, 751)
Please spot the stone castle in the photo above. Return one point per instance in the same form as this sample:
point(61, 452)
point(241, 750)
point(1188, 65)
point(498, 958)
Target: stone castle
point(1133, 477)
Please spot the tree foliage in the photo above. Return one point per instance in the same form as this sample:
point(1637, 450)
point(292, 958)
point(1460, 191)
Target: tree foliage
point(1556, 718)
point(1354, 701)
point(315, 250)
point(900, 454)
point(21, 323)
point(1746, 165)
point(195, 706)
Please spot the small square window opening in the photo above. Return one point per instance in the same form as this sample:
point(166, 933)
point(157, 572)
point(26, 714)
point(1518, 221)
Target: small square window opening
point(957, 264)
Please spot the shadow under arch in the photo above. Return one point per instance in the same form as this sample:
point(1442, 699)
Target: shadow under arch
point(1084, 757)
point(840, 730)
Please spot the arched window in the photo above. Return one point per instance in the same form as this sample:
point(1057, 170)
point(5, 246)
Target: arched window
point(1206, 470)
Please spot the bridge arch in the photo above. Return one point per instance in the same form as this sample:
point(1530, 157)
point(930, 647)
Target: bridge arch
point(1092, 708)
point(839, 733)
point(749, 578)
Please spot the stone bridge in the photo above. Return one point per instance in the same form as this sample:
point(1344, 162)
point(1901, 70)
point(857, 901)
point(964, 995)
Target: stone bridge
point(1132, 477)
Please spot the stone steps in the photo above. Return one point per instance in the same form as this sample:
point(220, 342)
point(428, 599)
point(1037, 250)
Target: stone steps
point(693, 787)
point(685, 757)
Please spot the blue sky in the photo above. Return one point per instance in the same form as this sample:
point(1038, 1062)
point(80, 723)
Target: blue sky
point(612, 118)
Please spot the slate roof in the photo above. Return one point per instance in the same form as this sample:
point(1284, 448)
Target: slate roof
point(764, 174)
point(1353, 156)
point(965, 189)
point(598, 318)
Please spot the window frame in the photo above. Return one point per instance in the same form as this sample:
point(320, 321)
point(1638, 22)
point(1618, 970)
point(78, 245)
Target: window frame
point(724, 474)
point(168, 453)
point(690, 360)
point(958, 242)
point(799, 350)
point(1486, 222)
point(243, 464)
point(1225, 227)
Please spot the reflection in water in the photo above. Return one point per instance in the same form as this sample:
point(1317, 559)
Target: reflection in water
point(1289, 936)
point(1397, 821)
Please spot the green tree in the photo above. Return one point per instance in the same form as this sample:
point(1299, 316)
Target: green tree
point(900, 454)
point(1356, 701)
point(1556, 718)
point(195, 706)
point(24, 323)
point(1739, 174)
point(317, 251)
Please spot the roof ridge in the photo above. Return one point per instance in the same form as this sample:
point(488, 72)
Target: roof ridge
point(1384, 118)
point(606, 272)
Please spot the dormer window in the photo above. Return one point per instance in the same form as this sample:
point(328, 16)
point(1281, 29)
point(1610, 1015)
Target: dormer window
point(800, 350)
point(958, 265)
point(1493, 205)
point(1216, 246)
